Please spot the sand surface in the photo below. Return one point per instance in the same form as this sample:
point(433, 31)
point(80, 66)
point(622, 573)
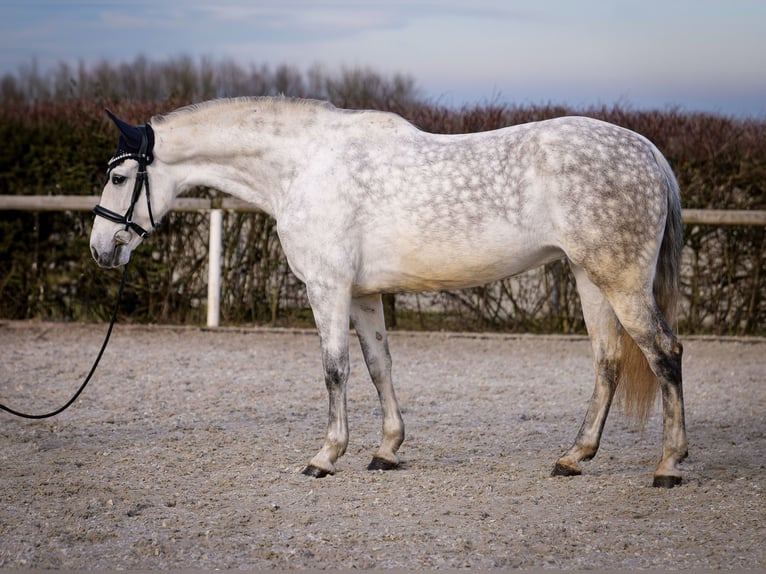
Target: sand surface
point(186, 449)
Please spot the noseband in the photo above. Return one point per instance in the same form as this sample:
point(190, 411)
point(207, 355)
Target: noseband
point(143, 158)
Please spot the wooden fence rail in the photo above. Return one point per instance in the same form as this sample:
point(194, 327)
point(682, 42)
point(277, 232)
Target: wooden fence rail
point(217, 206)
point(86, 203)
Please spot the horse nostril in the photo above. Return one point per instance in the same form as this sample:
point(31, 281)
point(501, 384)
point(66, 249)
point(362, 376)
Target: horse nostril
point(94, 252)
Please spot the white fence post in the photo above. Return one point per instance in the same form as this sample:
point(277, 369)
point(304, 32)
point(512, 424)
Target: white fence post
point(214, 268)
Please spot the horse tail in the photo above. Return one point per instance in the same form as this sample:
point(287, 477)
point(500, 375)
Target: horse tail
point(636, 382)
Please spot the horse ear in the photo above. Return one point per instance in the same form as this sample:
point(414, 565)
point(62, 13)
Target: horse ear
point(132, 138)
point(131, 135)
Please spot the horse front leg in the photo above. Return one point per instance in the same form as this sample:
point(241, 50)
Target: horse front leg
point(367, 315)
point(331, 314)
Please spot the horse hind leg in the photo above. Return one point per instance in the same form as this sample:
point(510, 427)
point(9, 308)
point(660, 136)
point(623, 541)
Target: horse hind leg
point(604, 331)
point(642, 320)
point(367, 315)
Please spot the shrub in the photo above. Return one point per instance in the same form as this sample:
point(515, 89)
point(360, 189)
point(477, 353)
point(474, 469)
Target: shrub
point(57, 141)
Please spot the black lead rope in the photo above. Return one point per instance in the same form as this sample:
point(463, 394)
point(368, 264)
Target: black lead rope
point(92, 369)
point(136, 143)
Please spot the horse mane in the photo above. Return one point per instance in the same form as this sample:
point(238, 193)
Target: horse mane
point(269, 102)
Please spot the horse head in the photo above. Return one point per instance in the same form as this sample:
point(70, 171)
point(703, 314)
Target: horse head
point(126, 214)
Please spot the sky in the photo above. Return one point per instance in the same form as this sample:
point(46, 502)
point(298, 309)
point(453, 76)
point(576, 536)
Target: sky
point(698, 55)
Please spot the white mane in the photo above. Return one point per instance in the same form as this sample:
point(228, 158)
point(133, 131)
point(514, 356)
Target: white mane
point(227, 105)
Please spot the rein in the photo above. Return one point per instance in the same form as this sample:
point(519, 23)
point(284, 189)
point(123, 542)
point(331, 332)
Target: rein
point(143, 154)
point(92, 369)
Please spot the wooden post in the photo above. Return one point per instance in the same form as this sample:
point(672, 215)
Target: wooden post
point(214, 268)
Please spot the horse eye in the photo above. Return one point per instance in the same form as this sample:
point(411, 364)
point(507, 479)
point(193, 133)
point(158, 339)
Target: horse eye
point(118, 179)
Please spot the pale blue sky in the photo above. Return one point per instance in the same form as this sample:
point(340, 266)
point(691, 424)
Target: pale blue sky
point(698, 54)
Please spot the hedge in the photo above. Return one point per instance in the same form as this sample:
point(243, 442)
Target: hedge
point(59, 145)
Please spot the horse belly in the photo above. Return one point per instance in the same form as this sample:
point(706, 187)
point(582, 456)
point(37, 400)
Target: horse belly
point(455, 262)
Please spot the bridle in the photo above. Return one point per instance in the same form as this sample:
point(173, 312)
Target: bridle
point(144, 157)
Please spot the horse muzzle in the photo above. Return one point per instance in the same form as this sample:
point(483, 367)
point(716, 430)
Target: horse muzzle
point(112, 253)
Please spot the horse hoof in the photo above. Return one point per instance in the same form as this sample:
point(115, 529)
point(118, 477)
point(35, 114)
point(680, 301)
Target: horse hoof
point(381, 464)
point(315, 471)
point(666, 481)
point(561, 470)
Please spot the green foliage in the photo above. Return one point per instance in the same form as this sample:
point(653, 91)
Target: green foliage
point(57, 141)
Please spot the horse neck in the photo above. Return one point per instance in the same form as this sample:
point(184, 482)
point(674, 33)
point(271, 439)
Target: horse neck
point(250, 159)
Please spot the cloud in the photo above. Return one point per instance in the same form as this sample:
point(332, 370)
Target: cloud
point(589, 49)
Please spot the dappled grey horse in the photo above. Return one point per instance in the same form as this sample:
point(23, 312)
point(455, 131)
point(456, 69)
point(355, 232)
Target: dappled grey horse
point(365, 203)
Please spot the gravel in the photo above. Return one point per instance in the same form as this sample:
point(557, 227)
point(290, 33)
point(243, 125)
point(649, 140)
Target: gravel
point(185, 452)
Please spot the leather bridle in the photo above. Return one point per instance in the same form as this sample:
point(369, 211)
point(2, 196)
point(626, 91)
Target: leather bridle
point(144, 157)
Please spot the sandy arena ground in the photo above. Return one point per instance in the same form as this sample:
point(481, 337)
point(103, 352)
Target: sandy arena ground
point(186, 449)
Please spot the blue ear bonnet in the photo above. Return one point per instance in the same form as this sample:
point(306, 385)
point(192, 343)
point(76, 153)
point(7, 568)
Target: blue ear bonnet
point(136, 142)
